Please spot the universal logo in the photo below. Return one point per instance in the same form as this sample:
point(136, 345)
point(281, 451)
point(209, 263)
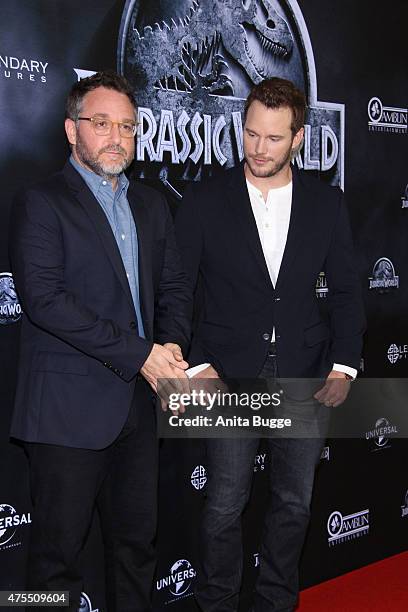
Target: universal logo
point(199, 477)
point(384, 277)
point(178, 581)
point(10, 308)
point(325, 453)
point(404, 198)
point(23, 69)
point(321, 286)
point(395, 353)
point(379, 435)
point(259, 463)
point(404, 508)
point(386, 118)
point(344, 528)
point(10, 523)
point(85, 604)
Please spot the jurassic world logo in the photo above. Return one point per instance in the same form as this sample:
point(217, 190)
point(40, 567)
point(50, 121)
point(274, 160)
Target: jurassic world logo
point(192, 64)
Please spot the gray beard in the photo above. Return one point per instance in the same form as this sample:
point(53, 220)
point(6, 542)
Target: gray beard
point(106, 172)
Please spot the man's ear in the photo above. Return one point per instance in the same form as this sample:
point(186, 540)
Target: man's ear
point(70, 130)
point(298, 138)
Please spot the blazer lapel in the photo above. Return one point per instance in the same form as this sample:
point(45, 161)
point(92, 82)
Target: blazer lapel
point(101, 224)
point(298, 227)
point(240, 205)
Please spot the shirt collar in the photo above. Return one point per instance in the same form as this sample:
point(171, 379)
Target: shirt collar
point(254, 190)
point(96, 182)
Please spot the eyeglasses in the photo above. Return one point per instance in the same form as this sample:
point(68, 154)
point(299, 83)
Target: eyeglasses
point(103, 127)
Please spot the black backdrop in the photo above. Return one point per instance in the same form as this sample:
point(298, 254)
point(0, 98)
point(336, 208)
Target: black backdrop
point(359, 53)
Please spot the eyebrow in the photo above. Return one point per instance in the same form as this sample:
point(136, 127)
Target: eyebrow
point(248, 129)
point(106, 116)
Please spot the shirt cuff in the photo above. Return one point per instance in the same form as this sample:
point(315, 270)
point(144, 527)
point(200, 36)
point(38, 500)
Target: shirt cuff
point(345, 369)
point(196, 369)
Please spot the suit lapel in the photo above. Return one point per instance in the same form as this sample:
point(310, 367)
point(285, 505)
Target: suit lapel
point(240, 205)
point(101, 224)
point(298, 224)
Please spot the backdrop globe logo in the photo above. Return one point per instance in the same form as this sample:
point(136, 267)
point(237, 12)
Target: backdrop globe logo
point(10, 521)
point(181, 569)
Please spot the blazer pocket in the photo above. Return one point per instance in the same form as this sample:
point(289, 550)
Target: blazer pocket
point(63, 363)
point(317, 333)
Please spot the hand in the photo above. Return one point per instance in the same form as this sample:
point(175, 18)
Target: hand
point(335, 390)
point(162, 363)
point(175, 349)
point(208, 381)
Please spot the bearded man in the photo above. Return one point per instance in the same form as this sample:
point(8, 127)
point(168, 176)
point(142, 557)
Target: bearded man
point(106, 314)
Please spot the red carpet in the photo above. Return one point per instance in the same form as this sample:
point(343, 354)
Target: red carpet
point(379, 587)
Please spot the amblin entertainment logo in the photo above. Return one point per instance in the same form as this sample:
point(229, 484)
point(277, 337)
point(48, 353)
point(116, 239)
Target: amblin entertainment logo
point(343, 528)
point(386, 118)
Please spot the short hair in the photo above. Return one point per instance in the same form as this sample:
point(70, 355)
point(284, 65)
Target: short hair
point(105, 78)
point(278, 93)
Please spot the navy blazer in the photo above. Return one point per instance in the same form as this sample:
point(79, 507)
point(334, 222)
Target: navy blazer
point(80, 350)
point(239, 307)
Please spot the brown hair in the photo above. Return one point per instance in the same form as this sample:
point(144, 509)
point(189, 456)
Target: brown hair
point(106, 78)
point(277, 93)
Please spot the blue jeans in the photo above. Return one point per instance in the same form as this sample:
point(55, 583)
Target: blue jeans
point(230, 472)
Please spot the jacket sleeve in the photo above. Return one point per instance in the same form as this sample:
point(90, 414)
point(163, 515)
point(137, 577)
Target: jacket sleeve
point(173, 300)
point(190, 241)
point(37, 257)
point(345, 299)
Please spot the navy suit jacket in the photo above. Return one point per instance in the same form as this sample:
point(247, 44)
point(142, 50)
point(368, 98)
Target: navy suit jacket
point(80, 349)
point(239, 307)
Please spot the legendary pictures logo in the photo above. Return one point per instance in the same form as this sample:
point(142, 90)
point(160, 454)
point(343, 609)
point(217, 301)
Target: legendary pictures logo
point(179, 580)
point(386, 118)
point(343, 528)
point(404, 507)
point(379, 435)
point(199, 477)
point(10, 308)
point(321, 286)
point(10, 522)
point(193, 63)
point(395, 353)
point(85, 604)
point(23, 69)
point(384, 277)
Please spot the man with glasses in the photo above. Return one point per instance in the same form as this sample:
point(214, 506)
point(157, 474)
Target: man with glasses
point(106, 304)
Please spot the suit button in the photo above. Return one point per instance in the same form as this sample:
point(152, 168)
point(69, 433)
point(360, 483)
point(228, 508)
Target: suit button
point(277, 299)
point(133, 325)
point(266, 336)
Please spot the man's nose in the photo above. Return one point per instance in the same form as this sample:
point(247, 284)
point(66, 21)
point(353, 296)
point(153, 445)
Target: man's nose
point(260, 146)
point(115, 136)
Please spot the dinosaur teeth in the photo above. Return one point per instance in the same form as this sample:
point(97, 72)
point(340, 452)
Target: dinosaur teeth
point(148, 29)
point(173, 23)
point(157, 26)
point(165, 25)
point(181, 22)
